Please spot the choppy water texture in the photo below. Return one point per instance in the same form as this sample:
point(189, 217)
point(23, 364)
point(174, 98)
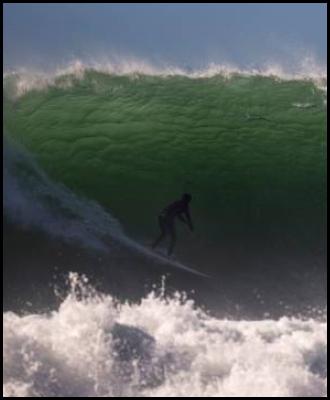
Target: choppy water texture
point(251, 157)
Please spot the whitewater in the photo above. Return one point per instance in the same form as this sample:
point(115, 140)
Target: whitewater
point(93, 346)
point(89, 145)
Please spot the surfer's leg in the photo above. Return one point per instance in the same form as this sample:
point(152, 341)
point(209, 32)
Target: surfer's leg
point(162, 232)
point(158, 240)
point(173, 239)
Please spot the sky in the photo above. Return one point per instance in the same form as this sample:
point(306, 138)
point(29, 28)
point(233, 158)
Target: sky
point(189, 35)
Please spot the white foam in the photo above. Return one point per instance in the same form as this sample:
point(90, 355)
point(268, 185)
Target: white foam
point(33, 79)
point(94, 347)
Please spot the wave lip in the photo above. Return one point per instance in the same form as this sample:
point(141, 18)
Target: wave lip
point(94, 347)
point(29, 79)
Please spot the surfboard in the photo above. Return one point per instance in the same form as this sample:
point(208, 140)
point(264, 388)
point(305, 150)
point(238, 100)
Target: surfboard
point(165, 260)
point(158, 257)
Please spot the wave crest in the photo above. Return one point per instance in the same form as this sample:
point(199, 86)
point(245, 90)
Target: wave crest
point(29, 79)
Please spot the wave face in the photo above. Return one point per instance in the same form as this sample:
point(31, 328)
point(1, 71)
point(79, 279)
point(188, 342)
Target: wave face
point(93, 346)
point(253, 160)
point(107, 150)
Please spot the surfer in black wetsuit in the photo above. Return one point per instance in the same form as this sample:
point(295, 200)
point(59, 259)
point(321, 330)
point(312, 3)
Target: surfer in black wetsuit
point(166, 219)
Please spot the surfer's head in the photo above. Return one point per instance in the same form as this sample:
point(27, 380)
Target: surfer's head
point(186, 197)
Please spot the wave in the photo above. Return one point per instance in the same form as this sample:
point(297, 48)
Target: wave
point(94, 346)
point(104, 153)
point(92, 152)
point(28, 78)
point(242, 145)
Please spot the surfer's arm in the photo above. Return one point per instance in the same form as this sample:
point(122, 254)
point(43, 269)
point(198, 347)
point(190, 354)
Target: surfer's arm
point(188, 220)
point(181, 218)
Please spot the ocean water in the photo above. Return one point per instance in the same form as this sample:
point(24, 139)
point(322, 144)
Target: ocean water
point(93, 346)
point(91, 155)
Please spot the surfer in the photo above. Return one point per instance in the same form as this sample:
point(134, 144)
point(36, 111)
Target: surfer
point(166, 219)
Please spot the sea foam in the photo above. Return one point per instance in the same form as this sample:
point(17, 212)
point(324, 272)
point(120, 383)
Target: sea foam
point(94, 346)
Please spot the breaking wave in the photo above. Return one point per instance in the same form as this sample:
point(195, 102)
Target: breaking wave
point(92, 152)
point(94, 346)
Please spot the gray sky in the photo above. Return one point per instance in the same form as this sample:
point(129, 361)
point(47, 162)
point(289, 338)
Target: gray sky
point(182, 34)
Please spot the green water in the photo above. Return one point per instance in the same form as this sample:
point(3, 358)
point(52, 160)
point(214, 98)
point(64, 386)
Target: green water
point(251, 150)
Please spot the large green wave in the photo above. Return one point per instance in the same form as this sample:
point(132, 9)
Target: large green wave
point(250, 149)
